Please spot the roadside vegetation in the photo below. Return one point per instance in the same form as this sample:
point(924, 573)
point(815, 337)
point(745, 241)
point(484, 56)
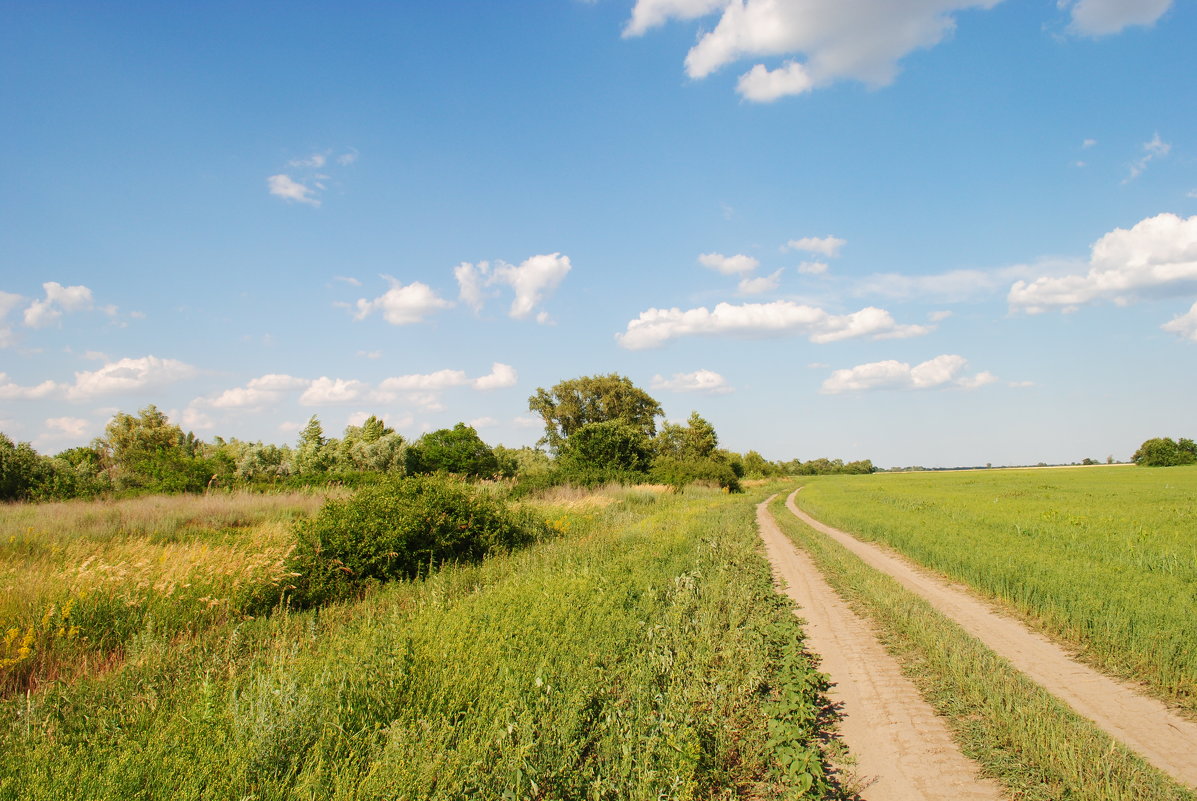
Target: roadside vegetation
point(1020, 734)
point(1102, 558)
point(635, 650)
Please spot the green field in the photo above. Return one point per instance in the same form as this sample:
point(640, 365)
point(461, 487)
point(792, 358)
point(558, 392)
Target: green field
point(640, 654)
point(1104, 558)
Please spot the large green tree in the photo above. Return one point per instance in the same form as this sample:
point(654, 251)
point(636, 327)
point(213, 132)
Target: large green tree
point(577, 402)
point(1166, 452)
point(453, 450)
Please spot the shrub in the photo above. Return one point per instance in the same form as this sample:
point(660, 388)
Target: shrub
point(1165, 452)
point(401, 528)
point(677, 473)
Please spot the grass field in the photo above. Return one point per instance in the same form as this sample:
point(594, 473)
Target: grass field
point(642, 654)
point(1102, 558)
point(1038, 748)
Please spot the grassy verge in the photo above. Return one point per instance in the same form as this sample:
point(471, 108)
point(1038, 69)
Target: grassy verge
point(1102, 558)
point(1015, 729)
point(641, 655)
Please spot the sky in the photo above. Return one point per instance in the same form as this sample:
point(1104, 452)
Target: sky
point(923, 232)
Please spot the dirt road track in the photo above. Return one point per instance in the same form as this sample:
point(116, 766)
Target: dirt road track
point(1144, 724)
point(903, 749)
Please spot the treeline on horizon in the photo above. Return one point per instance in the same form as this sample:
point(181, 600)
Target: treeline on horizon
point(598, 429)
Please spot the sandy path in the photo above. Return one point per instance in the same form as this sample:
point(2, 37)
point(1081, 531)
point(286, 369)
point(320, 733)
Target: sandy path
point(1144, 724)
point(903, 750)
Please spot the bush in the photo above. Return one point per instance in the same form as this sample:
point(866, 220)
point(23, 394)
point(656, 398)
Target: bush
point(677, 473)
point(401, 528)
point(1165, 452)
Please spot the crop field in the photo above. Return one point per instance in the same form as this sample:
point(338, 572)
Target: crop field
point(1104, 558)
point(639, 653)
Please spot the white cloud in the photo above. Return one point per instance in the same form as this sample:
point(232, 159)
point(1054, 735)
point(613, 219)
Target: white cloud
point(95, 356)
point(760, 284)
point(196, 420)
point(1184, 325)
point(58, 299)
point(813, 267)
point(402, 305)
point(441, 379)
point(347, 158)
point(1157, 256)
point(483, 422)
point(471, 283)
point(316, 160)
point(8, 302)
point(12, 391)
point(128, 375)
point(257, 392)
point(532, 280)
point(1103, 17)
point(347, 279)
point(1088, 143)
point(728, 265)
point(291, 190)
point(699, 381)
point(942, 371)
point(327, 391)
point(501, 376)
point(939, 316)
point(277, 382)
point(655, 327)
point(370, 354)
point(955, 285)
point(828, 246)
point(527, 421)
point(1156, 148)
point(66, 427)
point(860, 40)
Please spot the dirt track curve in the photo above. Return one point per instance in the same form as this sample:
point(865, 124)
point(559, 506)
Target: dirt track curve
point(903, 750)
point(1144, 724)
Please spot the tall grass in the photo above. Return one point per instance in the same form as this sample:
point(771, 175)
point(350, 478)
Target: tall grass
point(1103, 558)
point(1016, 730)
point(637, 656)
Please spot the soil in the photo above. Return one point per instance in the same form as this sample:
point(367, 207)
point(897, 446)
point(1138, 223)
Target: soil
point(1146, 725)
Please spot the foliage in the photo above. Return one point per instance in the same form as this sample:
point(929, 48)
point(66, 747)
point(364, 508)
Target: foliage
point(1166, 452)
point(401, 528)
point(613, 446)
point(458, 450)
point(711, 470)
point(149, 452)
point(572, 404)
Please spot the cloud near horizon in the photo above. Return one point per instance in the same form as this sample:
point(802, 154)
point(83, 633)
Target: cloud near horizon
point(706, 381)
point(941, 372)
point(655, 327)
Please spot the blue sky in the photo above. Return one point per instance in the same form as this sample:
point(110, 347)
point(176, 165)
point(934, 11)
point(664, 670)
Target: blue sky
point(939, 232)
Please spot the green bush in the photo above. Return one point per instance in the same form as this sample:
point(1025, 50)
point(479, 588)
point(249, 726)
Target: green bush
point(677, 473)
point(401, 528)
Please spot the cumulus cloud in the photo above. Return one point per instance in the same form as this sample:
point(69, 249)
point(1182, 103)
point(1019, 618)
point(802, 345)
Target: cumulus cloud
point(289, 189)
point(828, 246)
point(13, 391)
point(1155, 149)
point(326, 391)
point(706, 381)
point(441, 379)
point(257, 392)
point(1104, 17)
point(941, 372)
point(1157, 256)
point(1185, 325)
point(501, 376)
point(728, 265)
point(59, 299)
point(859, 40)
point(813, 267)
point(954, 286)
point(8, 302)
point(655, 327)
point(402, 304)
point(532, 281)
point(128, 375)
point(483, 422)
point(66, 427)
point(760, 284)
point(939, 316)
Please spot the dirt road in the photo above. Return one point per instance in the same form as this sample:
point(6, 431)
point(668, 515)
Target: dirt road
point(904, 751)
point(1144, 724)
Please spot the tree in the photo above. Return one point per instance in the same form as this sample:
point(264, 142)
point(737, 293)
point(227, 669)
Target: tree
point(1165, 452)
point(150, 452)
point(613, 446)
point(578, 402)
point(311, 453)
point(453, 450)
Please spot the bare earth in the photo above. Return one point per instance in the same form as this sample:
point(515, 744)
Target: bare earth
point(903, 750)
point(1144, 724)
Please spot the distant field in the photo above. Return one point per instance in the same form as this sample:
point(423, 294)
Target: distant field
point(1104, 558)
point(641, 654)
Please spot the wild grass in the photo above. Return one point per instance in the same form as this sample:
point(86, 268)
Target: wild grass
point(1018, 732)
point(639, 655)
point(1104, 559)
point(79, 579)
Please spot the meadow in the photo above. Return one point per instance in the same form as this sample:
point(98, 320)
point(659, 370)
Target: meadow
point(639, 653)
point(1102, 558)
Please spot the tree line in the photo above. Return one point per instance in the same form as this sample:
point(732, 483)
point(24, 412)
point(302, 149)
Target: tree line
point(598, 429)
